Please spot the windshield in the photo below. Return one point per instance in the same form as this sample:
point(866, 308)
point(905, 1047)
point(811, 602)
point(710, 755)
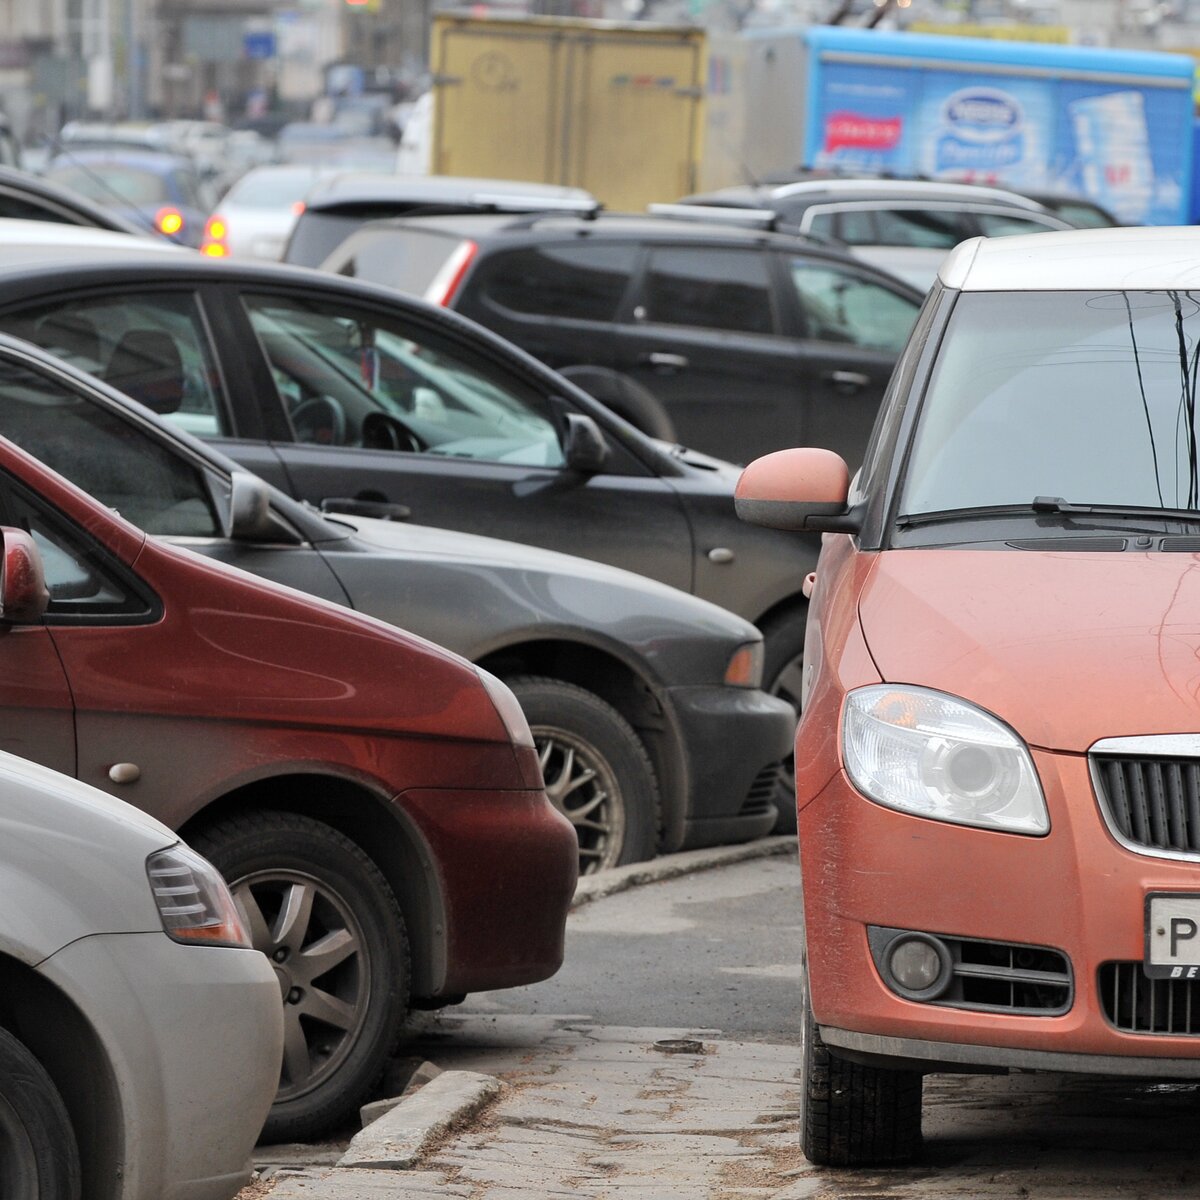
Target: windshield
point(1088, 396)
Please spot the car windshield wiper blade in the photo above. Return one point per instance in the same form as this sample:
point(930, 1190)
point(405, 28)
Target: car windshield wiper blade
point(1050, 506)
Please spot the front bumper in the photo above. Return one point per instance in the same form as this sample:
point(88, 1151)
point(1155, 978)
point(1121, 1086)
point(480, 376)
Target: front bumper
point(732, 739)
point(194, 1038)
point(1076, 890)
point(507, 864)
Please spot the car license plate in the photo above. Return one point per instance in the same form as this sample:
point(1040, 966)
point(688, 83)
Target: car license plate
point(1172, 935)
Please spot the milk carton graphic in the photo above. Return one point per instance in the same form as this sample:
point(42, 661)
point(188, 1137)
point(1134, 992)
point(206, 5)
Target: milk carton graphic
point(1113, 148)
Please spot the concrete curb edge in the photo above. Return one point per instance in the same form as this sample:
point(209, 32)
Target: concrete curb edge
point(672, 866)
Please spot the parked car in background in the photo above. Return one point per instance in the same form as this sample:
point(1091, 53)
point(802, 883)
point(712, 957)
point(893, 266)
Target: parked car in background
point(141, 186)
point(633, 690)
point(141, 1035)
point(1078, 211)
point(256, 215)
point(1000, 733)
point(337, 205)
point(366, 794)
point(28, 197)
point(324, 145)
point(905, 226)
point(731, 340)
point(332, 389)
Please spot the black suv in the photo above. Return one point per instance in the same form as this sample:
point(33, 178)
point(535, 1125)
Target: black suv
point(735, 341)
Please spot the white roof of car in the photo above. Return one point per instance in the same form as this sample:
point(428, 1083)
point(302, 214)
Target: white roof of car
point(1085, 260)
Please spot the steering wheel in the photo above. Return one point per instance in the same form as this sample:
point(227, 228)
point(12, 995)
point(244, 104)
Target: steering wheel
point(320, 419)
point(382, 431)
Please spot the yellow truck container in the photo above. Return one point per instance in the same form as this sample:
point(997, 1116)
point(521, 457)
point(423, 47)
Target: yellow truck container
point(613, 107)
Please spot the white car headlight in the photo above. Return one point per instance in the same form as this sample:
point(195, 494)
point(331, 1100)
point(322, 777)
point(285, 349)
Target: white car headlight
point(927, 753)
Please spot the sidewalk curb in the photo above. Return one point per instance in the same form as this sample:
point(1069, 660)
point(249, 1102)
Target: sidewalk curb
point(397, 1140)
point(672, 866)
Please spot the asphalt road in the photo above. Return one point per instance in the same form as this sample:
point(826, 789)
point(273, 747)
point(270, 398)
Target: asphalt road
point(715, 950)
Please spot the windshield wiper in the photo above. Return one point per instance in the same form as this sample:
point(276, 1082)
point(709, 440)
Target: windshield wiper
point(1050, 506)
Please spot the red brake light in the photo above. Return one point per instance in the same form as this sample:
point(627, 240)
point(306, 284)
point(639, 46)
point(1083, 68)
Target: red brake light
point(215, 231)
point(445, 283)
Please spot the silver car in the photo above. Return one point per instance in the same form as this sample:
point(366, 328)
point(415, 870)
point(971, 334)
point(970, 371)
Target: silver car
point(140, 1037)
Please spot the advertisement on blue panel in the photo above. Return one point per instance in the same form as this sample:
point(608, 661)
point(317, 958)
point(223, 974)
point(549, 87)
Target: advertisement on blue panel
point(1119, 145)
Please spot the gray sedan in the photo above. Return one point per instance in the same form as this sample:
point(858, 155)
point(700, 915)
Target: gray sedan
point(645, 702)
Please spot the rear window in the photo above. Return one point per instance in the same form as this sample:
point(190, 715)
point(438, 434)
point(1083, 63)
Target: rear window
point(582, 283)
point(271, 189)
point(112, 185)
point(400, 258)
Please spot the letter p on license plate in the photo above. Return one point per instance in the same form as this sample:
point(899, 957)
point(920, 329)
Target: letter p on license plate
point(1173, 935)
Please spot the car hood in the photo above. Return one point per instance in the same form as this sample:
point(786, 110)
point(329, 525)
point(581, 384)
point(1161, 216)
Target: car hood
point(1066, 647)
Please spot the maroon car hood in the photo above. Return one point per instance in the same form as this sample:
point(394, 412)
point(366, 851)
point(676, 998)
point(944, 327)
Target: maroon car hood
point(1066, 647)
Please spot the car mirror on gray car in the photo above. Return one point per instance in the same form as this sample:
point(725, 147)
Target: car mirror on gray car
point(248, 518)
point(23, 591)
point(584, 447)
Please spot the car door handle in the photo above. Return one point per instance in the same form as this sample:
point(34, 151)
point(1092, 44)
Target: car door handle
point(664, 362)
point(848, 381)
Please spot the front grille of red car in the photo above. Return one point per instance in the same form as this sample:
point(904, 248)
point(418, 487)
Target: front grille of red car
point(761, 796)
point(1134, 1003)
point(1151, 803)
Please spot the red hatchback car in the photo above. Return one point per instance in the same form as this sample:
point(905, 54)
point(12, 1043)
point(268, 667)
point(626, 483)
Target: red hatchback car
point(375, 802)
point(998, 764)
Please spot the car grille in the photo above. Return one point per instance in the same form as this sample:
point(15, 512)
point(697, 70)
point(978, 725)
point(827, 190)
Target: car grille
point(1152, 802)
point(1135, 1004)
point(763, 791)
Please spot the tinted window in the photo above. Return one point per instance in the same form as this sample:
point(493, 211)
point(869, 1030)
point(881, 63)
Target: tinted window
point(914, 227)
point(840, 306)
point(18, 208)
point(399, 258)
point(996, 225)
point(116, 462)
point(1086, 396)
point(154, 349)
point(727, 290)
point(584, 283)
point(354, 379)
point(113, 185)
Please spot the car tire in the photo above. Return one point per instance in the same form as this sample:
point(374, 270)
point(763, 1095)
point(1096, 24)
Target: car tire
point(852, 1115)
point(627, 398)
point(596, 770)
point(783, 671)
point(39, 1157)
point(326, 918)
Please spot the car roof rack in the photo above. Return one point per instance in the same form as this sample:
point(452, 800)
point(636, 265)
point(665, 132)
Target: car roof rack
point(714, 214)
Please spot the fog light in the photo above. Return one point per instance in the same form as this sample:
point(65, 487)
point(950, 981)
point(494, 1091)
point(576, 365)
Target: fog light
point(918, 967)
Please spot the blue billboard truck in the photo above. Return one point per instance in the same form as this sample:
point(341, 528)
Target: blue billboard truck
point(1112, 125)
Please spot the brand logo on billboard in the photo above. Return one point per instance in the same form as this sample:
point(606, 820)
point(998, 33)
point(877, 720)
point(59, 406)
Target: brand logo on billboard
point(983, 129)
point(847, 130)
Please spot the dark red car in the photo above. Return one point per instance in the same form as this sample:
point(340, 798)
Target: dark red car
point(375, 801)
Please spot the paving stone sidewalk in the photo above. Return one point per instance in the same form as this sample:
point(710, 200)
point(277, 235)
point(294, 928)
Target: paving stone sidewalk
point(590, 1112)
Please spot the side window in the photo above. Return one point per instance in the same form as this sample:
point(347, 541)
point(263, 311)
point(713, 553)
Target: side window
point(857, 228)
point(839, 306)
point(1002, 225)
point(81, 582)
point(726, 290)
point(22, 209)
point(577, 282)
point(154, 348)
point(114, 460)
point(917, 227)
point(350, 378)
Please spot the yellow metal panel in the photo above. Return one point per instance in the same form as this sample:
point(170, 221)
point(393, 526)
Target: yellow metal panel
point(635, 102)
point(496, 99)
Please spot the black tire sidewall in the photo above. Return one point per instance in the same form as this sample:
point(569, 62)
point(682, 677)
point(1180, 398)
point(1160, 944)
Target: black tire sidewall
point(552, 702)
point(783, 640)
point(33, 1110)
point(288, 842)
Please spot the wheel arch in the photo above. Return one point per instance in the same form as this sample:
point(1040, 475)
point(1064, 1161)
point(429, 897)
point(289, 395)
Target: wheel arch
point(619, 684)
point(64, 1041)
point(372, 822)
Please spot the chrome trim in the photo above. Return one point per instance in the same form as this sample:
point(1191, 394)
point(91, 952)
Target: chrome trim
point(1153, 745)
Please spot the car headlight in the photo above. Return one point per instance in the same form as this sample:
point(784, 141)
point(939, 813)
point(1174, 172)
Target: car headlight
point(507, 708)
point(927, 753)
point(745, 667)
point(193, 901)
